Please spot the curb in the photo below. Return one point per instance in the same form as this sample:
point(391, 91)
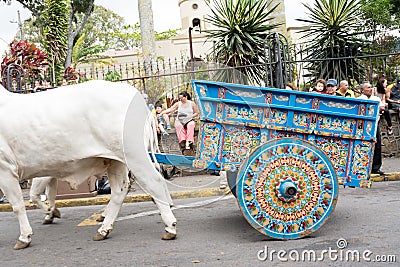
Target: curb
point(133, 198)
point(393, 176)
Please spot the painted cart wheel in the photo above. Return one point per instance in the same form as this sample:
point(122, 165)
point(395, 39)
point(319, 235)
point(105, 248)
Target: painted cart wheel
point(287, 188)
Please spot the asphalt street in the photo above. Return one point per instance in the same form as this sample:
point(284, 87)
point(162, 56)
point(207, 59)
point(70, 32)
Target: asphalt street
point(213, 232)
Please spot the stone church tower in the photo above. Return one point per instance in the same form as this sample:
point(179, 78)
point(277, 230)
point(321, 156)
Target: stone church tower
point(280, 16)
point(193, 13)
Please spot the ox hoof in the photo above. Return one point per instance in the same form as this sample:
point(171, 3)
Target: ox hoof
point(100, 219)
point(99, 237)
point(21, 245)
point(168, 236)
point(57, 213)
point(48, 221)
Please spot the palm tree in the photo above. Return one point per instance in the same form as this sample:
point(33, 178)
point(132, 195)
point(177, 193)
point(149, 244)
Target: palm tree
point(240, 30)
point(82, 54)
point(333, 26)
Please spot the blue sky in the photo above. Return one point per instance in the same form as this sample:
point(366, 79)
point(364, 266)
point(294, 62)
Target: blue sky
point(166, 15)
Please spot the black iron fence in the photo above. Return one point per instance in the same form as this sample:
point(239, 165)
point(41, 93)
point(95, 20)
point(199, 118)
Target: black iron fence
point(282, 64)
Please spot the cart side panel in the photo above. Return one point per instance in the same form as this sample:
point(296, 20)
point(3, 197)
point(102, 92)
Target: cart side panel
point(236, 119)
point(210, 137)
point(338, 150)
point(360, 163)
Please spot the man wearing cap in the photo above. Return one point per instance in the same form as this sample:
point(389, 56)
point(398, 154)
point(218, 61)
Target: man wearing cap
point(331, 86)
point(394, 100)
point(344, 90)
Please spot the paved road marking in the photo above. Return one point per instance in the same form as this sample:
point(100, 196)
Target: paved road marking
point(92, 220)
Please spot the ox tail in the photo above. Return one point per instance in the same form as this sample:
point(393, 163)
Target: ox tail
point(152, 139)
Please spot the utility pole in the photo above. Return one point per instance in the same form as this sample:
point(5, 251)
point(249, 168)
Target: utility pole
point(191, 52)
point(19, 23)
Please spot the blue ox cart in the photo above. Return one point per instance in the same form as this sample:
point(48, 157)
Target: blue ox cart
point(286, 152)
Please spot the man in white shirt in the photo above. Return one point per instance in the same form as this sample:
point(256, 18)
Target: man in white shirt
point(367, 93)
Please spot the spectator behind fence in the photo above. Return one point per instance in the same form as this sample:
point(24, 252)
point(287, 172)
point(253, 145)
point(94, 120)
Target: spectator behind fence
point(394, 96)
point(184, 123)
point(381, 93)
point(344, 89)
point(367, 93)
point(331, 87)
point(150, 106)
point(38, 86)
point(320, 87)
point(47, 84)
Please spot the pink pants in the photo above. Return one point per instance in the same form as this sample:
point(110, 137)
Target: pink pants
point(185, 134)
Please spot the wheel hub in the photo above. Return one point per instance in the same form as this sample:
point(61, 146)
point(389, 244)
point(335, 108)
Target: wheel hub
point(287, 190)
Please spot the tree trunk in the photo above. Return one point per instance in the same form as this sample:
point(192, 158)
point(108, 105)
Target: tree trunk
point(68, 58)
point(147, 32)
point(72, 34)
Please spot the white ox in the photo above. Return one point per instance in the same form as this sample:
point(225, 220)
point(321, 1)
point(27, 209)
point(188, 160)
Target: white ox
point(49, 184)
point(75, 132)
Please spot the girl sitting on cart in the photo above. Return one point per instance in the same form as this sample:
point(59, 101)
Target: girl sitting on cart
point(162, 120)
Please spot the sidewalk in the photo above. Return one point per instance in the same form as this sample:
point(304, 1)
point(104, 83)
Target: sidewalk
point(192, 186)
point(391, 168)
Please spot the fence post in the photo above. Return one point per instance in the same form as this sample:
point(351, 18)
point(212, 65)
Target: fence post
point(279, 69)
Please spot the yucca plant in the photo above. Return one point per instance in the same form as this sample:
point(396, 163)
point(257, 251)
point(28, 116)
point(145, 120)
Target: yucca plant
point(333, 31)
point(240, 28)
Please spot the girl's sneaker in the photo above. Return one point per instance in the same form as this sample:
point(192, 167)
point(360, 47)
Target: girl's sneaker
point(165, 133)
point(168, 126)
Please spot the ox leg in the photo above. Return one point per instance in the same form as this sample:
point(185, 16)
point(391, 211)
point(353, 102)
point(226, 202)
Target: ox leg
point(51, 192)
point(39, 186)
point(12, 190)
point(154, 184)
point(143, 169)
point(48, 184)
point(119, 182)
point(168, 218)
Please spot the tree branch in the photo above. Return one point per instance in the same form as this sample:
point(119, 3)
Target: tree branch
point(85, 18)
point(31, 6)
